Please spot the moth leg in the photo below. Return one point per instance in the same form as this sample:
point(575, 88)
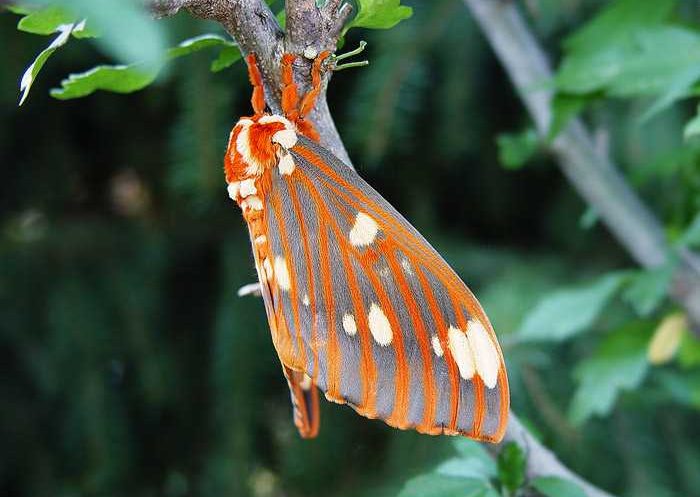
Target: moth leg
point(309, 100)
point(304, 396)
point(290, 99)
point(258, 98)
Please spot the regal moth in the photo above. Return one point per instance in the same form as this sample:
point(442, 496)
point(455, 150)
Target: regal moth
point(359, 304)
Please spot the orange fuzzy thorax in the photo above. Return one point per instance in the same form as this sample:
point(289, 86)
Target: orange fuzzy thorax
point(256, 145)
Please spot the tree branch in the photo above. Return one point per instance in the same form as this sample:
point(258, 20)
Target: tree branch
point(310, 29)
point(540, 460)
point(590, 171)
point(254, 27)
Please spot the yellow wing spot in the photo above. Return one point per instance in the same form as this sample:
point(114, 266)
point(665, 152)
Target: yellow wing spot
point(349, 324)
point(379, 325)
point(282, 274)
point(461, 351)
point(364, 231)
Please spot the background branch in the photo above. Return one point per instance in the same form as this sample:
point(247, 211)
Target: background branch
point(589, 170)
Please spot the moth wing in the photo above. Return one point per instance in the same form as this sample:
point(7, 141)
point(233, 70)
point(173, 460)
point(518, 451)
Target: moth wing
point(360, 302)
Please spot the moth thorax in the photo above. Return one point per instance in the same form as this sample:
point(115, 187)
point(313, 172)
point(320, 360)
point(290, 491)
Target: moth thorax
point(258, 143)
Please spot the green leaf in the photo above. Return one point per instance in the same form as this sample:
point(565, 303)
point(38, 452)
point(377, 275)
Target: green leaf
point(126, 30)
point(22, 10)
point(692, 127)
point(551, 486)
point(648, 288)
point(618, 21)
point(589, 218)
point(565, 313)
point(379, 14)
point(466, 468)
point(45, 21)
point(119, 79)
point(134, 77)
point(689, 351)
point(282, 18)
point(691, 235)
point(511, 467)
point(565, 107)
point(515, 149)
point(660, 60)
point(198, 43)
point(435, 485)
point(227, 57)
point(472, 462)
point(683, 388)
point(679, 88)
point(32, 71)
point(620, 363)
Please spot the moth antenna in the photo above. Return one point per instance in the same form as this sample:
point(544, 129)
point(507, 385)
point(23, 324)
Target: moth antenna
point(290, 99)
point(352, 53)
point(258, 98)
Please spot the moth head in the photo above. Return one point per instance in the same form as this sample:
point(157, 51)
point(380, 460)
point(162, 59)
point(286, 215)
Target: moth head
point(257, 144)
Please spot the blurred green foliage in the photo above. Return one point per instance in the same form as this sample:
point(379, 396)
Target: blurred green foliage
point(131, 367)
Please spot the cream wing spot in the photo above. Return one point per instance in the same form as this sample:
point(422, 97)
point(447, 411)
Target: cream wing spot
point(286, 165)
point(306, 382)
point(364, 231)
point(406, 265)
point(267, 269)
point(305, 300)
point(244, 122)
point(437, 347)
point(379, 325)
point(276, 118)
point(247, 188)
point(287, 138)
point(243, 144)
point(233, 188)
point(252, 203)
point(485, 355)
point(349, 324)
point(282, 274)
point(461, 352)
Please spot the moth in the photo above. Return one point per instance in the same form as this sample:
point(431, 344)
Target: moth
point(360, 305)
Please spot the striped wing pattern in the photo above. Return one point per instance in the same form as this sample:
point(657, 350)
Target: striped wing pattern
point(363, 307)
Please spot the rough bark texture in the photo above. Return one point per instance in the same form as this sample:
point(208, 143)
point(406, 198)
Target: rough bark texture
point(591, 172)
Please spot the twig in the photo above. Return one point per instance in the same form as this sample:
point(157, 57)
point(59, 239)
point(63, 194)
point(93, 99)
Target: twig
point(540, 460)
point(590, 171)
point(254, 27)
